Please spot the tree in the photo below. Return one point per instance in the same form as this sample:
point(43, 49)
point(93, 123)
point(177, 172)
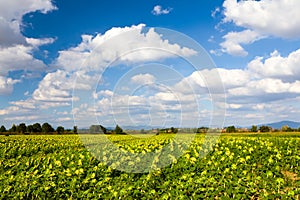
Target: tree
point(13, 129)
point(75, 130)
point(22, 128)
point(230, 129)
point(174, 130)
point(30, 128)
point(118, 130)
point(2, 129)
point(284, 128)
point(60, 129)
point(253, 128)
point(202, 129)
point(264, 129)
point(47, 128)
point(36, 128)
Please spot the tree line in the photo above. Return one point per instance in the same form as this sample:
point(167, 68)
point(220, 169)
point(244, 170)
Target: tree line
point(101, 129)
point(36, 128)
point(261, 129)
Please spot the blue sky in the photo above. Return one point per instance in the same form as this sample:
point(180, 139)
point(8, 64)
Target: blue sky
point(86, 62)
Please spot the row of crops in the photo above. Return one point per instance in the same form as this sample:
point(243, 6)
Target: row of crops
point(238, 167)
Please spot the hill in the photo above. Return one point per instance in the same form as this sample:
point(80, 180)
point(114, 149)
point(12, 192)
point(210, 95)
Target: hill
point(278, 125)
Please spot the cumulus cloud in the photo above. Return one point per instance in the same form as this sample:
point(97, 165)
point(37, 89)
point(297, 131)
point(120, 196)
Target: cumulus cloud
point(276, 66)
point(143, 79)
point(6, 85)
point(15, 9)
point(16, 51)
point(234, 40)
point(58, 86)
point(271, 17)
point(266, 87)
point(263, 78)
point(158, 10)
point(19, 57)
point(11, 13)
point(260, 19)
point(10, 33)
point(39, 42)
point(256, 90)
point(76, 70)
point(126, 45)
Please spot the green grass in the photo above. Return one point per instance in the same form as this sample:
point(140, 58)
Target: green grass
point(263, 166)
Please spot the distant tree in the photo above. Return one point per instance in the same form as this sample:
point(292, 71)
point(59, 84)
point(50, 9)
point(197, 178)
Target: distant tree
point(118, 130)
point(253, 128)
point(75, 130)
point(2, 129)
point(13, 129)
point(47, 128)
point(202, 129)
point(264, 129)
point(37, 128)
point(22, 128)
point(30, 128)
point(174, 130)
point(284, 128)
point(60, 129)
point(230, 129)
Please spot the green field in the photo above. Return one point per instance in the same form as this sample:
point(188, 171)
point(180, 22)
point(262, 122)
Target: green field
point(237, 167)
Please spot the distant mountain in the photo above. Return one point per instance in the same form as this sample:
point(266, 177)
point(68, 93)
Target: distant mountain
point(278, 125)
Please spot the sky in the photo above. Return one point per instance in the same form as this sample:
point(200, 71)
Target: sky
point(148, 62)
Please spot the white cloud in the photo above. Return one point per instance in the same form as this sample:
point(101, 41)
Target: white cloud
point(214, 13)
point(6, 85)
point(39, 42)
point(143, 79)
point(234, 106)
point(22, 118)
point(126, 45)
point(58, 86)
point(19, 57)
point(254, 92)
point(15, 49)
point(260, 88)
point(11, 13)
point(64, 119)
point(158, 10)
point(10, 33)
point(25, 104)
point(276, 66)
point(103, 93)
point(279, 18)
point(15, 9)
point(261, 19)
point(266, 87)
point(234, 40)
point(16, 110)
